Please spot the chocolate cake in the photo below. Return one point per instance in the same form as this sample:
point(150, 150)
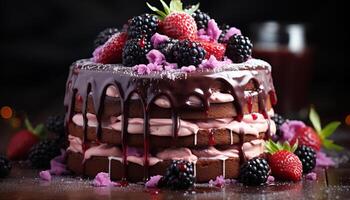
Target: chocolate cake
point(212, 110)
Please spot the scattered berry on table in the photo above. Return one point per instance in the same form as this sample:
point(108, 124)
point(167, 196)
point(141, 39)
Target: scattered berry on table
point(42, 153)
point(5, 167)
point(284, 164)
point(279, 120)
point(187, 53)
point(135, 51)
point(55, 124)
point(307, 157)
point(179, 175)
point(239, 48)
point(142, 26)
point(104, 35)
point(254, 172)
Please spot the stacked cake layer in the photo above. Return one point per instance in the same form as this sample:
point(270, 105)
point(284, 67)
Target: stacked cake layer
point(133, 125)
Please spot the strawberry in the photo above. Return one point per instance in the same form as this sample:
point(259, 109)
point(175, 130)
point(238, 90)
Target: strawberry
point(22, 141)
point(316, 137)
point(175, 21)
point(307, 136)
point(111, 51)
point(284, 164)
point(212, 48)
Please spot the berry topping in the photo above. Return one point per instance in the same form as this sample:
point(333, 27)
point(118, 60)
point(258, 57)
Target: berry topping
point(187, 53)
point(224, 28)
point(279, 120)
point(201, 19)
point(177, 22)
point(179, 175)
point(104, 35)
point(307, 136)
point(166, 49)
point(55, 124)
point(239, 48)
point(42, 153)
point(284, 164)
point(254, 172)
point(213, 48)
point(111, 51)
point(144, 25)
point(135, 51)
point(5, 167)
point(307, 157)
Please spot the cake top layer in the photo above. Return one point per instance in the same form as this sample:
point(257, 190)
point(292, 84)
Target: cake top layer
point(173, 74)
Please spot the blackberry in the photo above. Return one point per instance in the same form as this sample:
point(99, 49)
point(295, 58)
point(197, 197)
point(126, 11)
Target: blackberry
point(55, 124)
point(179, 175)
point(279, 120)
point(254, 172)
point(104, 35)
point(307, 157)
point(5, 167)
point(135, 50)
point(166, 49)
point(186, 53)
point(239, 48)
point(201, 19)
point(144, 25)
point(42, 153)
point(224, 29)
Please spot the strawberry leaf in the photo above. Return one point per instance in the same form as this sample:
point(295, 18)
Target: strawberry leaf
point(294, 147)
point(329, 144)
point(193, 9)
point(315, 120)
point(176, 5)
point(160, 13)
point(166, 7)
point(329, 129)
point(28, 125)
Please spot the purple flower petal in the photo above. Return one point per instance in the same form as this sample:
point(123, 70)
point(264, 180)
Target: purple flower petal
point(270, 179)
point(157, 39)
point(213, 63)
point(45, 175)
point(153, 181)
point(232, 31)
point(58, 166)
point(188, 69)
point(311, 176)
point(213, 30)
point(322, 160)
point(141, 69)
point(219, 181)
point(102, 180)
point(289, 129)
point(155, 57)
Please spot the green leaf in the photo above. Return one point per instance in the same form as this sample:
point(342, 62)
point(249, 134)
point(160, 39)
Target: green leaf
point(315, 120)
point(28, 125)
point(161, 14)
point(329, 144)
point(166, 7)
point(40, 131)
point(294, 147)
point(329, 129)
point(193, 9)
point(176, 5)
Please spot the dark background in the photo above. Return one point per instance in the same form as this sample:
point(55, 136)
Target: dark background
point(40, 39)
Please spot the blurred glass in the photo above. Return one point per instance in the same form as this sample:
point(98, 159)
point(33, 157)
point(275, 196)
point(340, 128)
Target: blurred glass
point(286, 48)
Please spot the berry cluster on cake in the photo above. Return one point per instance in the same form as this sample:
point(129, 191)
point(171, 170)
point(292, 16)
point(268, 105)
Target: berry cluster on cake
point(170, 94)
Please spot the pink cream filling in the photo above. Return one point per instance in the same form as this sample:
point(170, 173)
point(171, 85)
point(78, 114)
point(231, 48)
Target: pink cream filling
point(250, 150)
point(252, 124)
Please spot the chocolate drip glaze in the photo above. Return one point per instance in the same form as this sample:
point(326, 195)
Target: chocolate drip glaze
point(88, 78)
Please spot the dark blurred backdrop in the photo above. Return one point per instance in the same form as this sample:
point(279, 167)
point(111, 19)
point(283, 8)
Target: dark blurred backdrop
point(40, 39)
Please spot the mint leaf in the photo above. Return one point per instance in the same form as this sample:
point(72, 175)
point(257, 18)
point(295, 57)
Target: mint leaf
point(161, 14)
point(329, 129)
point(193, 9)
point(166, 7)
point(176, 5)
point(315, 120)
point(329, 144)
